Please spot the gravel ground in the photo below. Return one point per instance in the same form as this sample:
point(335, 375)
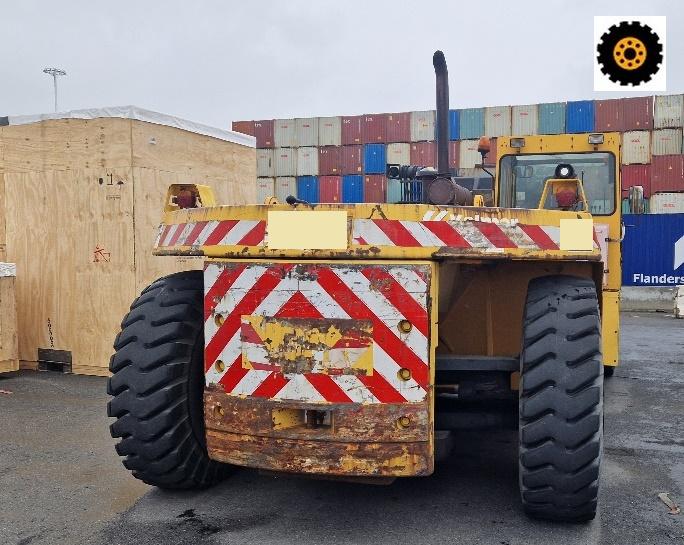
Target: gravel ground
point(61, 482)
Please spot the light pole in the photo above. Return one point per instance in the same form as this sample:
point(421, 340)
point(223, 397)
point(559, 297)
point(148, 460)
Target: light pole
point(55, 72)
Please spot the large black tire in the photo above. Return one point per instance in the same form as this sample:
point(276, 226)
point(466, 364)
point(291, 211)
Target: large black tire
point(561, 400)
point(157, 386)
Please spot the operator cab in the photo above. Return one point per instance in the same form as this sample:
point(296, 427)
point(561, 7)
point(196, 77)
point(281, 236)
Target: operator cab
point(522, 178)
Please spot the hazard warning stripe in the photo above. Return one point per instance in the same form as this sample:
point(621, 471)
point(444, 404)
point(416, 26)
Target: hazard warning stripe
point(397, 295)
point(269, 280)
point(195, 233)
point(463, 234)
point(539, 236)
point(322, 292)
point(496, 236)
point(397, 233)
point(328, 388)
point(375, 232)
point(447, 234)
point(216, 236)
point(213, 233)
point(382, 334)
point(225, 280)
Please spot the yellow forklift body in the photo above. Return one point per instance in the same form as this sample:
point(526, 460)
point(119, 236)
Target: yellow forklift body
point(323, 322)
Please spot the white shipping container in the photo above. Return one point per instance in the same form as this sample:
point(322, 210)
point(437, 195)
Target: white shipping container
point(668, 111)
point(265, 189)
point(285, 161)
point(329, 131)
point(636, 148)
point(666, 203)
point(525, 119)
point(307, 161)
point(472, 173)
point(265, 162)
point(284, 133)
point(398, 154)
point(307, 131)
point(423, 126)
point(285, 186)
point(666, 142)
point(468, 154)
point(498, 121)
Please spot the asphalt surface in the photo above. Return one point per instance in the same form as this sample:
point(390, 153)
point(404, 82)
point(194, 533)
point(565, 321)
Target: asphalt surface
point(60, 481)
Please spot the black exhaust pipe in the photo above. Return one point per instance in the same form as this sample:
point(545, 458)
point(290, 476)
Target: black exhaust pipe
point(442, 76)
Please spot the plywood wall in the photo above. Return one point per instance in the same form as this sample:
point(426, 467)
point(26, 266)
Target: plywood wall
point(9, 357)
point(79, 220)
point(72, 240)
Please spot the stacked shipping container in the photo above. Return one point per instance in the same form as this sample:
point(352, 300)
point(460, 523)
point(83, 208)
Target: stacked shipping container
point(343, 159)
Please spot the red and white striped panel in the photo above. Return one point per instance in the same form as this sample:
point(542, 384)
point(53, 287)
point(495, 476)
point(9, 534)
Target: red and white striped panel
point(456, 234)
point(380, 294)
point(212, 233)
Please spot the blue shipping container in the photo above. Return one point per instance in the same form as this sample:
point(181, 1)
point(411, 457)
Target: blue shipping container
point(453, 125)
point(374, 159)
point(352, 188)
point(653, 250)
point(454, 133)
point(307, 189)
point(552, 118)
point(471, 123)
point(579, 116)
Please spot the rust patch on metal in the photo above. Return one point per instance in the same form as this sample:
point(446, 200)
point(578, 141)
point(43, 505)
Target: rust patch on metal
point(360, 440)
point(306, 345)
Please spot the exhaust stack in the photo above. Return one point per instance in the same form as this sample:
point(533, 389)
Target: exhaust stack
point(442, 101)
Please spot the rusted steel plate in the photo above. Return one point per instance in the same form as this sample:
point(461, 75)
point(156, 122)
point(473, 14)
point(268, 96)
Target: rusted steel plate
point(376, 423)
point(330, 458)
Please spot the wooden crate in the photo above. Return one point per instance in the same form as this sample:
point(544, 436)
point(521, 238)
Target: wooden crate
point(9, 356)
point(80, 203)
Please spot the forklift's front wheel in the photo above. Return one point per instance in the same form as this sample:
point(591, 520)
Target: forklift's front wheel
point(561, 400)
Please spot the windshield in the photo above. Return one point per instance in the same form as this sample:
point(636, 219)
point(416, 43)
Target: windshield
point(522, 179)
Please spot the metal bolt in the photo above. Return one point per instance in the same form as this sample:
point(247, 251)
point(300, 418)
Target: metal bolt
point(218, 410)
point(220, 366)
point(405, 326)
point(219, 320)
point(404, 374)
point(404, 421)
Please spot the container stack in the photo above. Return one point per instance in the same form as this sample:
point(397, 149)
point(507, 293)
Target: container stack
point(344, 159)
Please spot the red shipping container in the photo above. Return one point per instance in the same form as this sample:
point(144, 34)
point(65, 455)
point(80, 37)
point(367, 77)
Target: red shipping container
point(245, 127)
point(374, 128)
point(352, 130)
point(454, 153)
point(352, 159)
point(490, 158)
point(330, 189)
point(398, 127)
point(667, 173)
point(608, 115)
point(263, 130)
point(424, 154)
point(330, 160)
point(374, 188)
point(637, 113)
point(631, 175)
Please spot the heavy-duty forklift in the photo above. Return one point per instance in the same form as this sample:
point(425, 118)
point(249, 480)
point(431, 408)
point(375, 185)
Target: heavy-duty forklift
point(347, 340)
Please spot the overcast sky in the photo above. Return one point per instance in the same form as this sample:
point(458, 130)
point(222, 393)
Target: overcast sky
point(213, 61)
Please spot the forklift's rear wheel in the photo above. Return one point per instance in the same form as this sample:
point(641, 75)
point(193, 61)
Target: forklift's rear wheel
point(561, 400)
point(157, 385)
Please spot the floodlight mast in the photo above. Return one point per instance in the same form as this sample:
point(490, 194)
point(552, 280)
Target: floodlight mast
point(55, 72)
